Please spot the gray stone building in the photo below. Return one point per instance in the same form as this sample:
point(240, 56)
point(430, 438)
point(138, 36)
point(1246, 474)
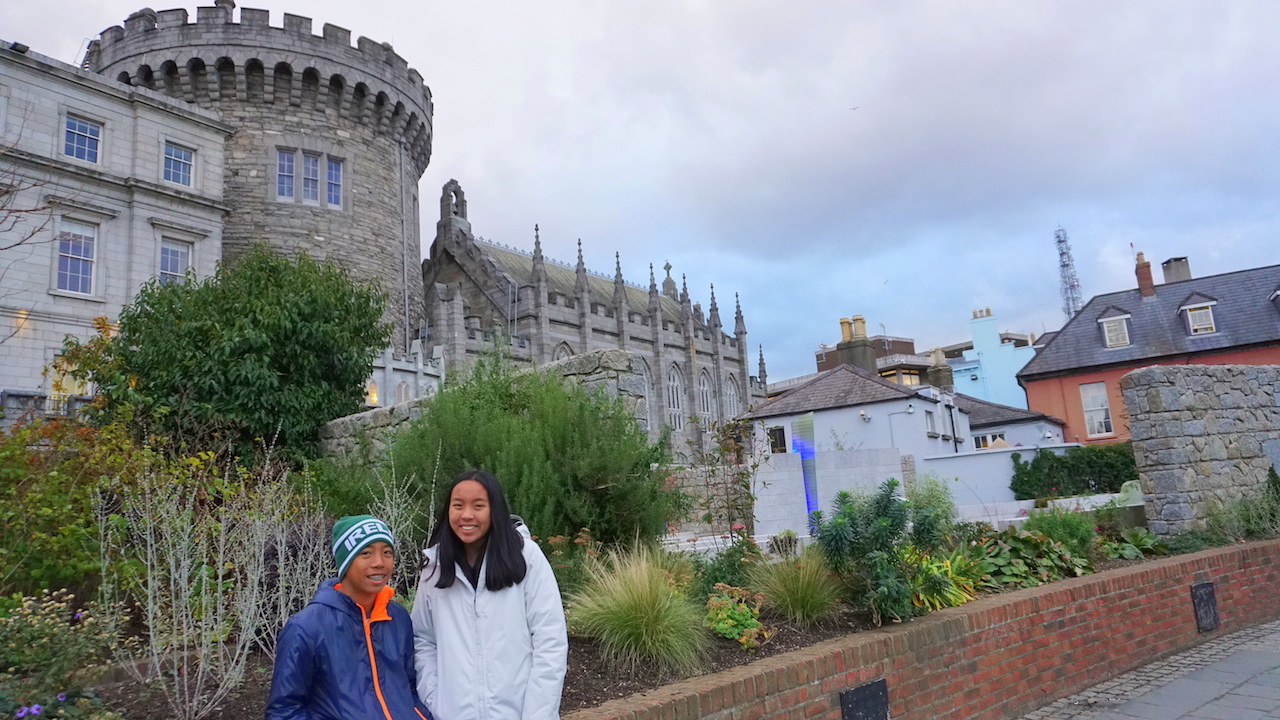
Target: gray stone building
point(478, 291)
point(236, 132)
point(102, 187)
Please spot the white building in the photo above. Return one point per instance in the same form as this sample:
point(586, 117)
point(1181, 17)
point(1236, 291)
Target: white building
point(107, 186)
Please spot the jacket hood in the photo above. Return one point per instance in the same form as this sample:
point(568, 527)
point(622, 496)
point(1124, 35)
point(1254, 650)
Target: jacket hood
point(327, 594)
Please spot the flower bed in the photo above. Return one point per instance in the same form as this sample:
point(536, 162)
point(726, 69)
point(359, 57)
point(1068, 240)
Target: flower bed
point(998, 657)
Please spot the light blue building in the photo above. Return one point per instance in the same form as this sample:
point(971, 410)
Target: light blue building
point(989, 370)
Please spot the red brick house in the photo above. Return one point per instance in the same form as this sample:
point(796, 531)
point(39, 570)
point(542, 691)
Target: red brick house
point(1227, 319)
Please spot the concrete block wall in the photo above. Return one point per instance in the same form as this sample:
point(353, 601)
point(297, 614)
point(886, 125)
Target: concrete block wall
point(1201, 434)
point(994, 659)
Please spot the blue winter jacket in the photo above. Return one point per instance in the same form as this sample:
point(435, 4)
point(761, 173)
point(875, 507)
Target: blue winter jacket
point(335, 662)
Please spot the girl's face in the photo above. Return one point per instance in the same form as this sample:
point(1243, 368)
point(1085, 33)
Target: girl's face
point(469, 512)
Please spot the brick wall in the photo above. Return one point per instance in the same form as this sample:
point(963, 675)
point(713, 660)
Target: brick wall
point(998, 657)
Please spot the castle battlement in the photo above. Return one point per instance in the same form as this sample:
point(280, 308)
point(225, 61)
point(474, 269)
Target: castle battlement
point(217, 59)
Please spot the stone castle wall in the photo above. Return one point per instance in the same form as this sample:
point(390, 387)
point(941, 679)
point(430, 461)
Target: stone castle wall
point(284, 88)
point(1201, 433)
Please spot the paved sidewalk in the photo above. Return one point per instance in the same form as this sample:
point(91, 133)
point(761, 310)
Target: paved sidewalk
point(1235, 677)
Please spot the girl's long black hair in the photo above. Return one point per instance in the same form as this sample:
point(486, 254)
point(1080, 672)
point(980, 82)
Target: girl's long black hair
point(503, 558)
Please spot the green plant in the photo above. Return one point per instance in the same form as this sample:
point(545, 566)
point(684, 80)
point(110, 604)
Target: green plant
point(933, 511)
point(721, 472)
point(1026, 559)
point(785, 544)
point(568, 458)
point(266, 348)
point(864, 541)
point(803, 589)
point(49, 649)
point(638, 614)
point(568, 557)
point(934, 584)
point(1072, 528)
point(730, 566)
point(969, 532)
point(734, 613)
point(1195, 540)
point(1245, 518)
point(1098, 468)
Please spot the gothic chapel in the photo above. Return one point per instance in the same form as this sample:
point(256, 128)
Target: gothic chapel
point(477, 291)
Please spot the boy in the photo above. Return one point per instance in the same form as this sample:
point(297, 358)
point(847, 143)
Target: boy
point(348, 655)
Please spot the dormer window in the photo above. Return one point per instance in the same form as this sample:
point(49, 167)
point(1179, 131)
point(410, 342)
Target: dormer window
point(1200, 319)
point(1198, 311)
point(1114, 323)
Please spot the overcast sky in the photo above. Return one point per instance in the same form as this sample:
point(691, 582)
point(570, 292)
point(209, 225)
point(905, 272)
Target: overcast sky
point(906, 161)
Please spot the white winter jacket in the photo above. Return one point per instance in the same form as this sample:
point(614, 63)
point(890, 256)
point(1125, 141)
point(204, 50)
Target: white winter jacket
point(485, 655)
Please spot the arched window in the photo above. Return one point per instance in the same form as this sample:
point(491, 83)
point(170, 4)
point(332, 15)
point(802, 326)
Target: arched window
point(371, 393)
point(402, 392)
point(732, 401)
point(563, 351)
point(675, 391)
point(706, 397)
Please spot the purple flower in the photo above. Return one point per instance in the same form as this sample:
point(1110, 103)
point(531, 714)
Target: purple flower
point(77, 615)
point(36, 709)
point(62, 697)
point(22, 712)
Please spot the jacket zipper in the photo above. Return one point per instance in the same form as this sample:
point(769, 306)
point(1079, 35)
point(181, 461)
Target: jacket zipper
point(377, 686)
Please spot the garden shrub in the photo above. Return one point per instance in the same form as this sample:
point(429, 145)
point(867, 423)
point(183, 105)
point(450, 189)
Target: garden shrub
point(1090, 469)
point(267, 348)
point(1025, 559)
point(569, 557)
point(734, 613)
point(49, 646)
point(1251, 517)
point(567, 458)
point(730, 566)
point(1195, 540)
point(1072, 528)
point(932, 508)
point(803, 589)
point(934, 584)
point(785, 544)
point(1134, 542)
point(969, 532)
point(634, 608)
point(865, 541)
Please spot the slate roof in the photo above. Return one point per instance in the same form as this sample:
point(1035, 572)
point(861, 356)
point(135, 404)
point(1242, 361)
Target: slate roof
point(1244, 316)
point(983, 414)
point(841, 386)
point(563, 280)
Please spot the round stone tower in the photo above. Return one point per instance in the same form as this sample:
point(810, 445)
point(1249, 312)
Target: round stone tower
point(330, 139)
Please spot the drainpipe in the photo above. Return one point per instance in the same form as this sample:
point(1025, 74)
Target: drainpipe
point(955, 439)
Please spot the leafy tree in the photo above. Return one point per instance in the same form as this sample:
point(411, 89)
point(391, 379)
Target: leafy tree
point(567, 458)
point(268, 347)
point(1101, 468)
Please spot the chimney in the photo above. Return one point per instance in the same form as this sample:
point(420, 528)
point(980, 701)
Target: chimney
point(1176, 270)
point(1146, 285)
point(856, 350)
point(846, 329)
point(939, 373)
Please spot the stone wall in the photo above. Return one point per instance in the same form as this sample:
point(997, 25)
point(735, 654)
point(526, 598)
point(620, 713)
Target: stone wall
point(1201, 433)
point(363, 438)
point(996, 658)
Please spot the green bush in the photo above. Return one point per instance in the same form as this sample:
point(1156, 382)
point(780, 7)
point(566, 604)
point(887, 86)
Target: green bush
point(1072, 528)
point(567, 458)
point(1246, 518)
point(865, 541)
point(933, 510)
point(1195, 540)
point(1134, 543)
point(1090, 469)
point(268, 348)
point(47, 647)
point(634, 608)
point(803, 589)
point(1025, 559)
point(730, 566)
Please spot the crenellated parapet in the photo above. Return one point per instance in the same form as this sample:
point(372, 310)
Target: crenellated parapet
point(216, 60)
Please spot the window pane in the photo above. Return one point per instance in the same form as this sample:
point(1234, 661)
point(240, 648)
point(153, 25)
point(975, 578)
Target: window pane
point(311, 177)
point(1201, 320)
point(81, 139)
point(1097, 408)
point(1117, 332)
point(178, 162)
point(75, 257)
point(175, 258)
point(284, 173)
point(335, 182)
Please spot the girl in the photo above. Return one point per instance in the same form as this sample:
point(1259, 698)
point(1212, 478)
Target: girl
point(488, 626)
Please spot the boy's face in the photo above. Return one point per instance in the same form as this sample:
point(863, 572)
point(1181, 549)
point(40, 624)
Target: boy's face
point(370, 571)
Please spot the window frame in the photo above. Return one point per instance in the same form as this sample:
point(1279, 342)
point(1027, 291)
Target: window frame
point(675, 401)
point(93, 261)
point(1122, 324)
point(98, 141)
point(1199, 329)
point(312, 177)
point(1105, 423)
point(189, 164)
point(186, 247)
point(777, 438)
point(983, 442)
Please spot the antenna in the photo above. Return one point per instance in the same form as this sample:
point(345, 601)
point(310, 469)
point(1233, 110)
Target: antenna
point(1067, 275)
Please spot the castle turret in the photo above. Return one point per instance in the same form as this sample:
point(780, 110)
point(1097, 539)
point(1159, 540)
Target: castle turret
point(329, 143)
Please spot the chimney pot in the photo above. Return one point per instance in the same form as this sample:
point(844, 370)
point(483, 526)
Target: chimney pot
point(1176, 269)
point(859, 326)
point(846, 329)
